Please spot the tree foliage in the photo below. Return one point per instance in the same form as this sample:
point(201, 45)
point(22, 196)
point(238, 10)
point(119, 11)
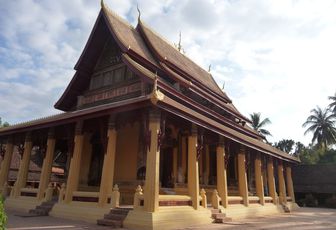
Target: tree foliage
point(286, 145)
point(258, 124)
point(332, 105)
point(4, 124)
point(3, 216)
point(322, 124)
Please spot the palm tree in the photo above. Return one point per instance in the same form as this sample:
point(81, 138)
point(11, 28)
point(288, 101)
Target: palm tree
point(258, 125)
point(285, 145)
point(332, 105)
point(322, 124)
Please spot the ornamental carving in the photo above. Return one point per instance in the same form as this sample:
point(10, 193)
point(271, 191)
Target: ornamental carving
point(226, 160)
point(21, 150)
point(161, 134)
point(41, 149)
point(111, 93)
point(2, 151)
point(247, 163)
point(146, 132)
point(200, 145)
point(227, 156)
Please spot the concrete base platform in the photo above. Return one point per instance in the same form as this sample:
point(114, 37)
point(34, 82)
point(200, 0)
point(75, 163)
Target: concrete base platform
point(85, 211)
point(21, 203)
point(167, 218)
point(240, 211)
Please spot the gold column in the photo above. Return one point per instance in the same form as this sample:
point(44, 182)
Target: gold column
point(24, 166)
point(106, 183)
point(242, 177)
point(259, 179)
point(75, 162)
point(5, 164)
point(184, 157)
point(175, 156)
point(193, 177)
point(207, 164)
point(282, 185)
point(290, 186)
point(271, 181)
point(221, 173)
point(151, 192)
point(47, 165)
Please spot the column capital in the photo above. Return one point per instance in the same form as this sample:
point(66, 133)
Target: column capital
point(112, 122)
point(193, 130)
point(28, 137)
point(154, 115)
point(51, 133)
point(221, 141)
point(79, 127)
point(242, 149)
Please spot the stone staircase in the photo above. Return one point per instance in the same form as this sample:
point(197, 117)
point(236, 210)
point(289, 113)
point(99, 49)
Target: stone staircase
point(219, 217)
point(43, 209)
point(115, 217)
point(285, 208)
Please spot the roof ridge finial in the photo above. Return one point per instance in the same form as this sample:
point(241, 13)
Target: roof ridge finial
point(102, 4)
point(139, 12)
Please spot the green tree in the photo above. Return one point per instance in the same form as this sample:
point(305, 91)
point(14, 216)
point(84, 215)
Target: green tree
point(310, 155)
point(258, 124)
point(285, 145)
point(299, 148)
point(322, 124)
point(3, 216)
point(5, 124)
point(332, 105)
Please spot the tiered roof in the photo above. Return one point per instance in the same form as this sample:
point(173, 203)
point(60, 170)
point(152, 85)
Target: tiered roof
point(152, 58)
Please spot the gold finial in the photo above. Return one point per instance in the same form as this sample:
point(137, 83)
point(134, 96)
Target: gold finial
point(155, 81)
point(209, 69)
point(102, 4)
point(156, 94)
point(139, 13)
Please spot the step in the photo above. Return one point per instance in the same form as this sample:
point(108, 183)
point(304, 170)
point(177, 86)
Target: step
point(112, 216)
point(111, 223)
point(215, 211)
point(218, 215)
point(120, 211)
point(44, 208)
point(38, 212)
point(46, 205)
point(222, 220)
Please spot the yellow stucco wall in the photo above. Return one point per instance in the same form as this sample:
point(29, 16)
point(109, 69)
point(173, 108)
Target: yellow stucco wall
point(85, 161)
point(126, 154)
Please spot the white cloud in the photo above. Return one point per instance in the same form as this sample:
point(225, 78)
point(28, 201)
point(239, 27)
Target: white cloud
point(275, 57)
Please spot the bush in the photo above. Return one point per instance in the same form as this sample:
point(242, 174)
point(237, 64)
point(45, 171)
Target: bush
point(3, 217)
point(331, 202)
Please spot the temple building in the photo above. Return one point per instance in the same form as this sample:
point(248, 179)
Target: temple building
point(146, 140)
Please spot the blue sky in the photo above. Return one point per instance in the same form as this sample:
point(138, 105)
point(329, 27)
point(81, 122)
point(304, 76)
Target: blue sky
point(275, 57)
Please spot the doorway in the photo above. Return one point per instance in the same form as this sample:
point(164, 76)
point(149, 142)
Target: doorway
point(166, 167)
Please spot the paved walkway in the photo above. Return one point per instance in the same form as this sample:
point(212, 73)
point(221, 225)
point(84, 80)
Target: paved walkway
point(304, 219)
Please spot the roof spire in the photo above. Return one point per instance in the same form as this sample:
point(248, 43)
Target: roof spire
point(139, 13)
point(102, 4)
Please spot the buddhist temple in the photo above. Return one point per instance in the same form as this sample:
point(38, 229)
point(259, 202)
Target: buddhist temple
point(146, 140)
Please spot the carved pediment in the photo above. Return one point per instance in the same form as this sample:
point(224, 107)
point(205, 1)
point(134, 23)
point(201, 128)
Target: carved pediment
point(110, 56)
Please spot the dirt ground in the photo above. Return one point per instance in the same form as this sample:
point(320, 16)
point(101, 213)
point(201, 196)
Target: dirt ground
point(303, 219)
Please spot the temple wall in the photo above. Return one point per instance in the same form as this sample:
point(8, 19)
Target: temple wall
point(126, 154)
point(85, 161)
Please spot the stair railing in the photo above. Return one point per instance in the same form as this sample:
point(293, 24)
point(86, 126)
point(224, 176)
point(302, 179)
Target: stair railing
point(115, 198)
